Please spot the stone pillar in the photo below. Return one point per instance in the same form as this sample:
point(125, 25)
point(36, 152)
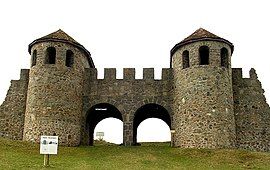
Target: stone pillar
point(128, 134)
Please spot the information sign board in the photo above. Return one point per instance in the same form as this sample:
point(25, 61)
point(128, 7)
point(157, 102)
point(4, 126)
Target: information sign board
point(100, 135)
point(48, 145)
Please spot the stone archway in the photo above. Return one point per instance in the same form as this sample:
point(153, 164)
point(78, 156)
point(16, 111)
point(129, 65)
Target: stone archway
point(97, 113)
point(146, 111)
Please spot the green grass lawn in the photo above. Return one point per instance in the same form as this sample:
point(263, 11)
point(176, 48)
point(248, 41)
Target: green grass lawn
point(24, 155)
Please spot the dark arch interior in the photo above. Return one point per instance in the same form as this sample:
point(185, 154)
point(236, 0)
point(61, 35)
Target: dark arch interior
point(69, 58)
point(96, 114)
point(34, 58)
point(224, 57)
point(185, 59)
point(50, 55)
point(204, 55)
point(149, 111)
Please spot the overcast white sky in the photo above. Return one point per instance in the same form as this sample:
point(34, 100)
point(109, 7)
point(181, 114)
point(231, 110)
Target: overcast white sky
point(138, 34)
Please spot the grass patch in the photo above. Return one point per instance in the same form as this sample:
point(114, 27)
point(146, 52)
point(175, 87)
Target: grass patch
point(25, 155)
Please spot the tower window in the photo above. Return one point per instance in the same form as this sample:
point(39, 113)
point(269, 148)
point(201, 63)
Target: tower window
point(34, 58)
point(224, 56)
point(69, 58)
point(50, 55)
point(204, 55)
point(185, 59)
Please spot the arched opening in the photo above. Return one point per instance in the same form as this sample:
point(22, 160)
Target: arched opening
point(149, 111)
point(153, 130)
point(204, 55)
point(224, 57)
point(50, 55)
point(112, 135)
point(34, 58)
point(69, 58)
point(96, 114)
point(185, 59)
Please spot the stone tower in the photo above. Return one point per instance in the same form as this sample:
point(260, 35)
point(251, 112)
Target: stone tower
point(203, 94)
point(54, 96)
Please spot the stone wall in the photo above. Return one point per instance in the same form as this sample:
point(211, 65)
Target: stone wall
point(252, 113)
point(13, 108)
point(127, 95)
point(203, 99)
point(201, 124)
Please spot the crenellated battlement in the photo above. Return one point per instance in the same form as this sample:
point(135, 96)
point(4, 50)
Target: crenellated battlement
point(251, 81)
point(24, 75)
point(237, 75)
point(128, 74)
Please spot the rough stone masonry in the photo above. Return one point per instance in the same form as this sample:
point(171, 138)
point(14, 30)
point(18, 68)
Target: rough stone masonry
point(206, 102)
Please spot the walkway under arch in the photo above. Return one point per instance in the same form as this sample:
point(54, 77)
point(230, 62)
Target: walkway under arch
point(97, 113)
point(112, 128)
point(153, 130)
point(151, 110)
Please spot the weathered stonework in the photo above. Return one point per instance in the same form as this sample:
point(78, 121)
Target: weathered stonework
point(127, 95)
point(206, 102)
point(252, 114)
point(12, 110)
point(203, 99)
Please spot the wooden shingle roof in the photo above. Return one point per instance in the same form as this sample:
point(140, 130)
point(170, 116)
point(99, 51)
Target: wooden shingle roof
point(61, 36)
point(200, 35)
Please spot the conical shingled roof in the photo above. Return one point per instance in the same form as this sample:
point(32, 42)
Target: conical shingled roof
point(61, 36)
point(200, 35)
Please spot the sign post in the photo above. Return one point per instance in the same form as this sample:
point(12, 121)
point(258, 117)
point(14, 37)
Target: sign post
point(172, 137)
point(48, 145)
point(100, 135)
point(46, 160)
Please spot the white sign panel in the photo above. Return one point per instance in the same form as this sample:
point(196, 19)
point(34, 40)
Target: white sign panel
point(100, 134)
point(48, 144)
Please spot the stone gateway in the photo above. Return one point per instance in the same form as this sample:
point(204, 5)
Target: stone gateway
point(206, 102)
